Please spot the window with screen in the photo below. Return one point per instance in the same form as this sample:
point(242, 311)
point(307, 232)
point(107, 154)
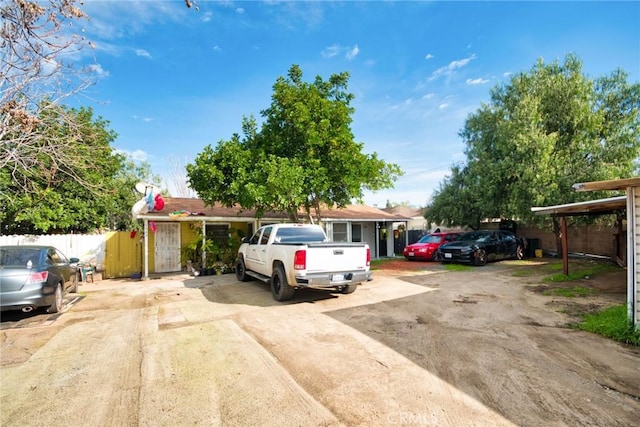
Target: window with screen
point(217, 232)
point(340, 233)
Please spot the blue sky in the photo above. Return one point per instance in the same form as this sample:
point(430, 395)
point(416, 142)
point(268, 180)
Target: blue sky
point(173, 80)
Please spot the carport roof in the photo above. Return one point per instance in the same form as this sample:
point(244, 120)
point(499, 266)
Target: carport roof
point(614, 184)
point(591, 207)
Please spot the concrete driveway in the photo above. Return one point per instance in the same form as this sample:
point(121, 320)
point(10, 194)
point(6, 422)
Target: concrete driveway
point(426, 348)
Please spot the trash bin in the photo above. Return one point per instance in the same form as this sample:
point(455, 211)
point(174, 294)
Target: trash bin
point(533, 246)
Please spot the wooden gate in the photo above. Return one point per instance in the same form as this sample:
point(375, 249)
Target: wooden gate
point(167, 247)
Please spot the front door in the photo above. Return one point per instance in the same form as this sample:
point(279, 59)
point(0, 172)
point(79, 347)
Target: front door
point(382, 239)
point(167, 247)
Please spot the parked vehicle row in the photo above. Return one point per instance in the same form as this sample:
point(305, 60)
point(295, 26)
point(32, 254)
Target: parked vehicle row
point(473, 247)
point(35, 276)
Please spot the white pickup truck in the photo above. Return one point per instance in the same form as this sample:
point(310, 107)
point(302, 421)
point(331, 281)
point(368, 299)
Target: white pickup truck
point(296, 256)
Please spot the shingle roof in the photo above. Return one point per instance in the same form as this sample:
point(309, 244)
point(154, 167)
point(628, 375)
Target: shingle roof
point(186, 209)
point(406, 211)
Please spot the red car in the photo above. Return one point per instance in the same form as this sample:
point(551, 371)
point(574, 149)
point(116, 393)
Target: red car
point(426, 248)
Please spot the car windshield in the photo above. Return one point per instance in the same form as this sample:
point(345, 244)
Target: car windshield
point(476, 236)
point(18, 256)
point(430, 238)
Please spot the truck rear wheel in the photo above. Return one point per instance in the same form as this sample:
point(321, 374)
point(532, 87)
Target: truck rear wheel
point(280, 289)
point(349, 289)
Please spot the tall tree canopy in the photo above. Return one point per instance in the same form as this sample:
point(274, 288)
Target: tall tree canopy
point(36, 75)
point(58, 172)
point(81, 186)
point(544, 131)
point(304, 155)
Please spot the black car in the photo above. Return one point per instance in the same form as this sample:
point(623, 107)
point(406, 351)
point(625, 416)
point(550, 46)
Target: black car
point(35, 276)
point(479, 247)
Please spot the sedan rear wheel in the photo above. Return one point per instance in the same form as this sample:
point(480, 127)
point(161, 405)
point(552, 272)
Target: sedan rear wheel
point(480, 257)
point(74, 284)
point(57, 303)
point(519, 252)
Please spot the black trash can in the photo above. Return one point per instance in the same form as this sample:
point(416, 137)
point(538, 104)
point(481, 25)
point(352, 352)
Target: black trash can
point(532, 245)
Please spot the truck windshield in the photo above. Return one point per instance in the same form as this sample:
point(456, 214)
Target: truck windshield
point(299, 235)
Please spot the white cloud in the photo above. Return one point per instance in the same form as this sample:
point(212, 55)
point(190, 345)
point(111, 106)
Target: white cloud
point(450, 69)
point(98, 70)
point(352, 53)
point(331, 51)
point(144, 119)
point(240, 10)
point(336, 49)
point(217, 48)
point(49, 66)
point(137, 155)
point(443, 106)
point(206, 17)
point(429, 56)
point(478, 81)
point(143, 53)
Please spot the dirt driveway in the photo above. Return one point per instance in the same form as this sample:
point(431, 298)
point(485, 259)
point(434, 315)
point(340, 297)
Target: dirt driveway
point(416, 346)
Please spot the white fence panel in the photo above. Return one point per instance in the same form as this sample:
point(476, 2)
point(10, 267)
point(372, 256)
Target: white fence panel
point(88, 247)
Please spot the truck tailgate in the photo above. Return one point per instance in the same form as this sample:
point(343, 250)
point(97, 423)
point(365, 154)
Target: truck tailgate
point(336, 257)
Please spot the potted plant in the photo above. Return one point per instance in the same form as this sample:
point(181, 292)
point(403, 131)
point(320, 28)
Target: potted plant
point(220, 267)
point(191, 254)
point(212, 253)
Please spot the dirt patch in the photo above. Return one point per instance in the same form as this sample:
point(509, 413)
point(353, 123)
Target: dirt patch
point(495, 335)
point(600, 291)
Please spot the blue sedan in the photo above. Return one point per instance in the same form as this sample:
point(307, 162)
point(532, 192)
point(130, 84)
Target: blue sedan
point(35, 276)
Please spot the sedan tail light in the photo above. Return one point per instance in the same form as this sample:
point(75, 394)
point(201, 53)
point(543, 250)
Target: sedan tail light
point(38, 277)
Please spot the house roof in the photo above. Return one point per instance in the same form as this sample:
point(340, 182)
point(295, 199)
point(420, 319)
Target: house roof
point(190, 209)
point(406, 211)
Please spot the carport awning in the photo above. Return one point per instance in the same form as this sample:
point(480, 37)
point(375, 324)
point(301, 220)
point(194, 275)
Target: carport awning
point(591, 207)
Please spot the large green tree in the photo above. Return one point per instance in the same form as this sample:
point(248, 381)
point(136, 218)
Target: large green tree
point(542, 132)
point(303, 156)
point(58, 172)
point(68, 179)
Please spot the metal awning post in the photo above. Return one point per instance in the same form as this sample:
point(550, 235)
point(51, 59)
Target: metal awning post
point(146, 249)
point(565, 246)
